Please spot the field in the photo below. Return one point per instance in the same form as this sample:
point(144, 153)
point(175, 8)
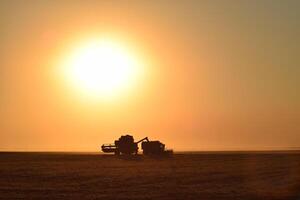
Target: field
point(220, 175)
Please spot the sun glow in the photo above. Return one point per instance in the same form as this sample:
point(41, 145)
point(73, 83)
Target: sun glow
point(101, 68)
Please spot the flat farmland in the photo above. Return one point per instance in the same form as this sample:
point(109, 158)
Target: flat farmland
point(206, 175)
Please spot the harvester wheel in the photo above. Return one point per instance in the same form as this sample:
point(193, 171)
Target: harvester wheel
point(117, 152)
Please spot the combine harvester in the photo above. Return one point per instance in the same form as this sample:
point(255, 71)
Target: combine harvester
point(126, 146)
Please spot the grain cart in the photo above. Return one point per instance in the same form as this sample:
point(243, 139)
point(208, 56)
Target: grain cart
point(155, 148)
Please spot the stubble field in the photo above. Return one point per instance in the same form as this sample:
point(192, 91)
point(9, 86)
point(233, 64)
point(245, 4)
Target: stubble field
point(219, 175)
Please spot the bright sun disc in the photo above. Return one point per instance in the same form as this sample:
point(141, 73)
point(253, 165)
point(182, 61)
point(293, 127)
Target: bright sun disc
point(101, 68)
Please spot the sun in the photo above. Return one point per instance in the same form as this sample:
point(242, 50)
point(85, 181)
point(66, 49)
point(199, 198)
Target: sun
point(101, 68)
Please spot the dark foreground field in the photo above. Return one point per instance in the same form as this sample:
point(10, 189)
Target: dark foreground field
point(184, 176)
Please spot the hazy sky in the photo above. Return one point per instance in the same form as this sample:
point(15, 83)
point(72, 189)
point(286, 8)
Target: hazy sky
point(220, 74)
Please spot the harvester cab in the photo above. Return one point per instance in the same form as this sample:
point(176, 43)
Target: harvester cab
point(126, 145)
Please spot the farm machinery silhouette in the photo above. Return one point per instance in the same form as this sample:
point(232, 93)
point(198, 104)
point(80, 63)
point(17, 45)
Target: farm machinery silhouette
point(126, 146)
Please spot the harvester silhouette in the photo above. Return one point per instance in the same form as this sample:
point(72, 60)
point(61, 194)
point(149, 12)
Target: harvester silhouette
point(126, 146)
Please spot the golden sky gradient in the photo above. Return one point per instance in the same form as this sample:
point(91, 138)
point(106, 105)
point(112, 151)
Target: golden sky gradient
point(215, 74)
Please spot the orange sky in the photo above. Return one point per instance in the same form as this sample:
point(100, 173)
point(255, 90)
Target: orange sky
point(220, 75)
